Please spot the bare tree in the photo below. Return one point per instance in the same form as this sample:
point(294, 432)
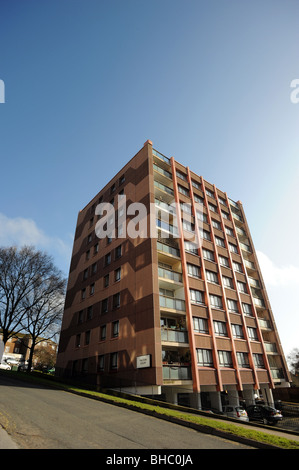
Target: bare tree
point(44, 313)
point(293, 361)
point(26, 278)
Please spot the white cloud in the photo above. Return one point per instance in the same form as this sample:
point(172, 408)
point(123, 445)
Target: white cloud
point(20, 231)
point(277, 275)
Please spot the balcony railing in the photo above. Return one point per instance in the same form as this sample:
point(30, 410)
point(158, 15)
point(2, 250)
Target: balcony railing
point(162, 172)
point(159, 155)
point(171, 275)
point(168, 227)
point(277, 373)
point(259, 302)
point(265, 324)
point(176, 336)
point(164, 188)
point(249, 264)
point(270, 347)
point(173, 303)
point(170, 250)
point(173, 372)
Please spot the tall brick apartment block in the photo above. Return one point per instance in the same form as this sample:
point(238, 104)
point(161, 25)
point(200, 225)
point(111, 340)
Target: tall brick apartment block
point(160, 315)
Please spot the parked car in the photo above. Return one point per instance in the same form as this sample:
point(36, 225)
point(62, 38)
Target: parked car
point(236, 412)
point(5, 366)
point(264, 413)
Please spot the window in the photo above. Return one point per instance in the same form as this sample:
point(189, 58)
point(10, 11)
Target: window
point(237, 331)
point(205, 235)
point(242, 359)
point(85, 274)
point(116, 300)
point(200, 325)
point(247, 309)
point(87, 255)
point(104, 306)
point(191, 247)
point(259, 360)
point(209, 193)
point(183, 190)
point(101, 362)
point(196, 296)
point(113, 360)
point(195, 184)
point(233, 248)
point(106, 280)
point(252, 333)
point(115, 329)
point(229, 231)
point(112, 189)
point(193, 270)
point(96, 249)
point(232, 305)
point(80, 317)
point(202, 217)
point(89, 238)
point(188, 226)
point(83, 294)
point(237, 267)
point(216, 224)
point(225, 215)
point(78, 340)
point(212, 277)
point(212, 208)
point(198, 199)
point(103, 331)
point(118, 251)
point(220, 328)
point(107, 259)
point(222, 200)
point(94, 268)
point(92, 287)
point(223, 261)
point(225, 359)
point(204, 357)
point(208, 255)
point(117, 274)
point(87, 337)
point(228, 282)
point(181, 175)
point(216, 301)
point(220, 242)
point(242, 287)
point(122, 179)
point(89, 313)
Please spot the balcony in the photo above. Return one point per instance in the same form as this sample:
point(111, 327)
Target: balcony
point(168, 249)
point(265, 324)
point(162, 157)
point(270, 348)
point(170, 275)
point(174, 335)
point(259, 303)
point(176, 372)
point(249, 265)
point(277, 373)
point(172, 303)
point(162, 171)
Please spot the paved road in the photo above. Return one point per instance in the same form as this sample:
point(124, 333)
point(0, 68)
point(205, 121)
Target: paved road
point(39, 418)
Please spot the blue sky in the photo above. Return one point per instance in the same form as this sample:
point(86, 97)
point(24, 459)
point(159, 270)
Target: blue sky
point(87, 82)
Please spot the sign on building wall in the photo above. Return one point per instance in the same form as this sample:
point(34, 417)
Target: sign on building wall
point(143, 361)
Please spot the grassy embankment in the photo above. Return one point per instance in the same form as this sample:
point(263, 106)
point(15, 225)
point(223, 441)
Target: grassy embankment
point(206, 422)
